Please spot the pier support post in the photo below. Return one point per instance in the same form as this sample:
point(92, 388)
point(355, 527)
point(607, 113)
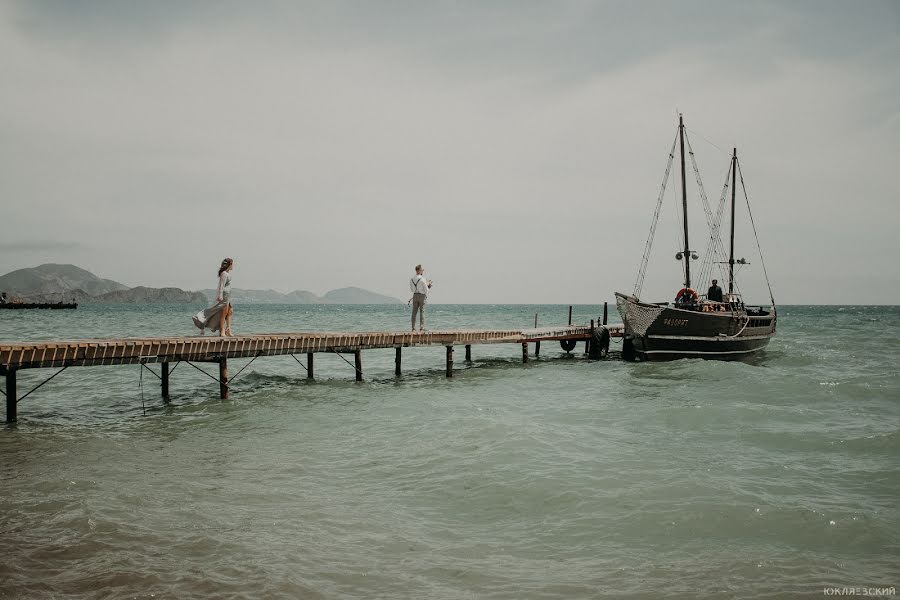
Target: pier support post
point(570, 315)
point(449, 361)
point(11, 397)
point(524, 352)
point(587, 343)
point(164, 381)
point(537, 345)
point(468, 352)
point(309, 365)
point(397, 357)
point(358, 356)
point(605, 313)
point(223, 378)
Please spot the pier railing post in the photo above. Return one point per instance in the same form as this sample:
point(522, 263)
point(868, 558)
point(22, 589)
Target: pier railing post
point(223, 378)
point(309, 365)
point(164, 381)
point(398, 353)
point(11, 397)
point(358, 355)
point(449, 361)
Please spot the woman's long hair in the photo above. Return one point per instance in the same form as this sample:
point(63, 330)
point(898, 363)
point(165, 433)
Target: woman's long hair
point(225, 264)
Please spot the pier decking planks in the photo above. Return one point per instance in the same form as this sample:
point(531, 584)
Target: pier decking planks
point(15, 356)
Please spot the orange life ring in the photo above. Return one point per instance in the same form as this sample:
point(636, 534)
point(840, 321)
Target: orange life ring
point(686, 292)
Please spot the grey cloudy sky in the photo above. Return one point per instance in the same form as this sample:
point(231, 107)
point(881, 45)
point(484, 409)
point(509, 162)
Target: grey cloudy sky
point(515, 148)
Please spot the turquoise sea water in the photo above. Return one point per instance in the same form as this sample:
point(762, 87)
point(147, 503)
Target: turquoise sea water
point(561, 478)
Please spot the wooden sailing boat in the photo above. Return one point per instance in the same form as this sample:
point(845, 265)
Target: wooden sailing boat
point(695, 326)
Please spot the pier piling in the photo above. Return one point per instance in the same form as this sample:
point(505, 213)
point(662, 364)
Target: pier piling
point(524, 352)
point(537, 344)
point(357, 354)
point(164, 381)
point(397, 357)
point(449, 361)
point(468, 353)
point(223, 378)
point(309, 365)
point(605, 313)
point(11, 397)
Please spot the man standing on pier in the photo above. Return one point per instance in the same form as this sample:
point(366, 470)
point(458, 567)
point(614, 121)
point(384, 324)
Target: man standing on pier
point(419, 286)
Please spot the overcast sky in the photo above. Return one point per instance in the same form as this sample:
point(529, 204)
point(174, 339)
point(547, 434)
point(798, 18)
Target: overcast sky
point(514, 148)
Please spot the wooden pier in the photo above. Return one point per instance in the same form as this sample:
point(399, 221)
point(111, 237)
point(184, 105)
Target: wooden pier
point(16, 356)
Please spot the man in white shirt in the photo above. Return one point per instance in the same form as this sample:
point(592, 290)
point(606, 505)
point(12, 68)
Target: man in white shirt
point(419, 286)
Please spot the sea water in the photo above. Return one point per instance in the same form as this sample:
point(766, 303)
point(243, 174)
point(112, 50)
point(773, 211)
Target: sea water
point(559, 478)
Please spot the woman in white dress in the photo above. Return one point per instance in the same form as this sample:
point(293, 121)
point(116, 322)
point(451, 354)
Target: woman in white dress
point(218, 316)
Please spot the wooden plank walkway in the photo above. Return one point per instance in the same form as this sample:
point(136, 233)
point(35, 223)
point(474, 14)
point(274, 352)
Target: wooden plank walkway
point(15, 356)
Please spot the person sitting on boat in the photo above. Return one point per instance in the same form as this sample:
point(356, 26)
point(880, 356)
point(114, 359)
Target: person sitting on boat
point(686, 296)
point(715, 292)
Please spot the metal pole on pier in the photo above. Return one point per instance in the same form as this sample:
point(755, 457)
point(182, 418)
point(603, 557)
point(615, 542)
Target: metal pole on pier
point(605, 313)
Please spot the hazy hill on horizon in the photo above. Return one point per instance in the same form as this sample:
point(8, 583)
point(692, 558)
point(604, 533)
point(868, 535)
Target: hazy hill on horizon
point(54, 278)
point(347, 295)
point(53, 281)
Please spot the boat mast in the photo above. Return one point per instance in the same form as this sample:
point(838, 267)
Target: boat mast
point(687, 252)
point(731, 252)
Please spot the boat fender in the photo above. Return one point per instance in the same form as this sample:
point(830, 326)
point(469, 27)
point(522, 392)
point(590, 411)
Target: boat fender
point(599, 347)
point(567, 345)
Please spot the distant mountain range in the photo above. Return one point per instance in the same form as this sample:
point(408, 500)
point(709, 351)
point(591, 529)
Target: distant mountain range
point(54, 282)
point(347, 295)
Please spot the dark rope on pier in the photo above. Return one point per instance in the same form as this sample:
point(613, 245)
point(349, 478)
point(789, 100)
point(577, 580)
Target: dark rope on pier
point(158, 376)
point(347, 361)
point(216, 379)
point(40, 384)
point(244, 367)
point(300, 363)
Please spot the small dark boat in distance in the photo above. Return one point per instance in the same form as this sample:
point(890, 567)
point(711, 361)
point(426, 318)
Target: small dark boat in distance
point(50, 305)
point(695, 326)
point(18, 304)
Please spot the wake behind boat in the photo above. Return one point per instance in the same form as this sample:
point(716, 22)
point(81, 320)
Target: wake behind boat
point(694, 325)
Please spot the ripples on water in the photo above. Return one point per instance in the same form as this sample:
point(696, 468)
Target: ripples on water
point(562, 478)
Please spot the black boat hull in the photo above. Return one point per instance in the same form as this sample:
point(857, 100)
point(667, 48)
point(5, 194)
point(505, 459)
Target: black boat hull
point(656, 332)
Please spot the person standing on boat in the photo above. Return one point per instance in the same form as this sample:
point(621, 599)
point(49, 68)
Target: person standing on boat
point(218, 316)
point(419, 286)
point(715, 292)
